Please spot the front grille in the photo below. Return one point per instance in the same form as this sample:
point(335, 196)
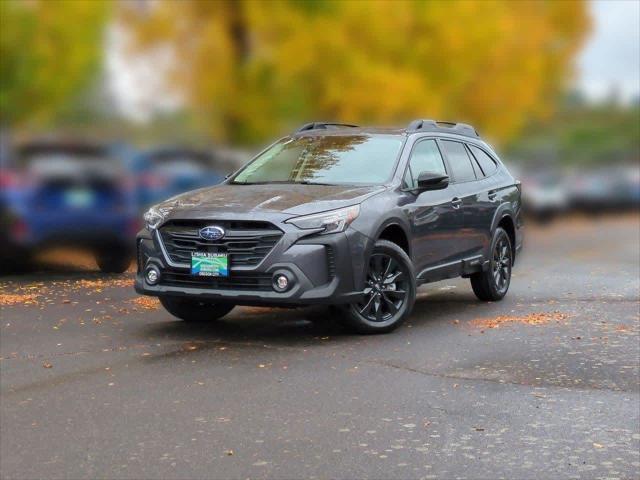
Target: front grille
point(253, 282)
point(246, 242)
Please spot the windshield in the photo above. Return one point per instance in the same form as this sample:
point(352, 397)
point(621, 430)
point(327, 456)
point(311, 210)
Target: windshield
point(334, 160)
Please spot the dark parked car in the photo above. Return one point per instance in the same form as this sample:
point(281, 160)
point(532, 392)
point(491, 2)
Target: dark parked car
point(339, 215)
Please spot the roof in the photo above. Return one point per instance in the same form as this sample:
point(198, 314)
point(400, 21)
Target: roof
point(416, 126)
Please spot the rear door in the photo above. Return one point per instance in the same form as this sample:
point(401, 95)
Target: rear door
point(434, 220)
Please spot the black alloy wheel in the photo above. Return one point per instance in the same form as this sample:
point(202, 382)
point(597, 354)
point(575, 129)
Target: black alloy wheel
point(386, 289)
point(389, 291)
point(501, 264)
point(493, 283)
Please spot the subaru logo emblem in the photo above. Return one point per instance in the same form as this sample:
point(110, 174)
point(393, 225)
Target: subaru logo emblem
point(212, 232)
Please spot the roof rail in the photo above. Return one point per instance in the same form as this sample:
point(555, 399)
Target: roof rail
point(446, 127)
point(322, 126)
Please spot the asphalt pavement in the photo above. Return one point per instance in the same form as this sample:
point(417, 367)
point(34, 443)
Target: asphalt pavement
point(96, 383)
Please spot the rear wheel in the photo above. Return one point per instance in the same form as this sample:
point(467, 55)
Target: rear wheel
point(15, 261)
point(116, 261)
point(493, 284)
point(389, 292)
point(191, 310)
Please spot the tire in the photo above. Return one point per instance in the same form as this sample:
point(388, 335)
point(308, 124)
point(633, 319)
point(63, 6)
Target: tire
point(384, 308)
point(492, 285)
point(191, 310)
point(113, 262)
point(15, 262)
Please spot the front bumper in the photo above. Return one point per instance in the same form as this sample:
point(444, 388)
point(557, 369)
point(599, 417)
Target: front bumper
point(325, 269)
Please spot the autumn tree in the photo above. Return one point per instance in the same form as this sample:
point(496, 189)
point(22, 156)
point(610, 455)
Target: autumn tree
point(251, 68)
point(49, 51)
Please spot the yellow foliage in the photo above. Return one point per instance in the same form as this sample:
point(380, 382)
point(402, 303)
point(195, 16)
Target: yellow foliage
point(49, 50)
point(252, 68)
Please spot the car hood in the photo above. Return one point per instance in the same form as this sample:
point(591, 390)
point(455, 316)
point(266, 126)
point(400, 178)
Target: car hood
point(227, 200)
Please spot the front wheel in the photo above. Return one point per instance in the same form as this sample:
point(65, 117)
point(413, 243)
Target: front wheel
point(389, 291)
point(191, 310)
point(493, 283)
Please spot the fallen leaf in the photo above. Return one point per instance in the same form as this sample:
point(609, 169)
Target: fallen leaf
point(147, 303)
point(530, 319)
point(7, 299)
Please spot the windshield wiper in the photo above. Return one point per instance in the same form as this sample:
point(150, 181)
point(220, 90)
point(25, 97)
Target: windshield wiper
point(307, 182)
point(285, 182)
point(262, 183)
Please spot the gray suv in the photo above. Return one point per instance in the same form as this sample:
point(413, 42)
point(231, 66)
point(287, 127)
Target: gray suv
point(340, 215)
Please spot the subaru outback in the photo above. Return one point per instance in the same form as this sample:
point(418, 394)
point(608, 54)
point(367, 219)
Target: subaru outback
point(340, 215)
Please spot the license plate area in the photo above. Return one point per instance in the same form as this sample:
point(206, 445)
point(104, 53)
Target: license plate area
point(79, 198)
point(205, 264)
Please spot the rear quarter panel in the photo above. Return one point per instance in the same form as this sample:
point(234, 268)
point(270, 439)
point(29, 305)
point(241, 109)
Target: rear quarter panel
point(508, 203)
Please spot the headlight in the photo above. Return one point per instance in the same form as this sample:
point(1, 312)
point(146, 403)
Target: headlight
point(152, 218)
point(333, 221)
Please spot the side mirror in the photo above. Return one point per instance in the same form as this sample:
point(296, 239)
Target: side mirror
point(432, 181)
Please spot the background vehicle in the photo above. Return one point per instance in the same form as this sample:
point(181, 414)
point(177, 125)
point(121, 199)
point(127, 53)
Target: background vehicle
point(613, 189)
point(67, 193)
point(341, 215)
point(544, 194)
point(164, 172)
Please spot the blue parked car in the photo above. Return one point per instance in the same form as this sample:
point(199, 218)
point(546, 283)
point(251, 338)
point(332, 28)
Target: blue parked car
point(67, 193)
point(165, 172)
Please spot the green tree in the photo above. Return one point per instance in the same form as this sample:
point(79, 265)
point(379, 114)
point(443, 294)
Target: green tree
point(582, 134)
point(251, 68)
point(50, 50)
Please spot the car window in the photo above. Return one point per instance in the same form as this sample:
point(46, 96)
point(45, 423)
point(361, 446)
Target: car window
point(424, 158)
point(487, 164)
point(476, 165)
point(459, 161)
point(330, 159)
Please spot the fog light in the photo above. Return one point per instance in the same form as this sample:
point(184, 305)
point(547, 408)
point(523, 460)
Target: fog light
point(152, 276)
point(281, 282)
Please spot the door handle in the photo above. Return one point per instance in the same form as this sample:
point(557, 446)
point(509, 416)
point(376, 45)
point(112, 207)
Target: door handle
point(456, 202)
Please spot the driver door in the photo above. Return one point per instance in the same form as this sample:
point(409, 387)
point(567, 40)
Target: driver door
point(434, 215)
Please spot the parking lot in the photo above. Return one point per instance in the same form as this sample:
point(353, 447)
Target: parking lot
point(99, 382)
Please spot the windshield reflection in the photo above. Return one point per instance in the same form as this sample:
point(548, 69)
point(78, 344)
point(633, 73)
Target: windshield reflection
point(329, 159)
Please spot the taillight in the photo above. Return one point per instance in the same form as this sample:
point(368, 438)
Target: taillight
point(19, 230)
point(153, 180)
point(133, 225)
point(9, 179)
point(128, 184)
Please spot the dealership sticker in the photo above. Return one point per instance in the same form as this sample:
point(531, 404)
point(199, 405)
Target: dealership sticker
point(204, 264)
